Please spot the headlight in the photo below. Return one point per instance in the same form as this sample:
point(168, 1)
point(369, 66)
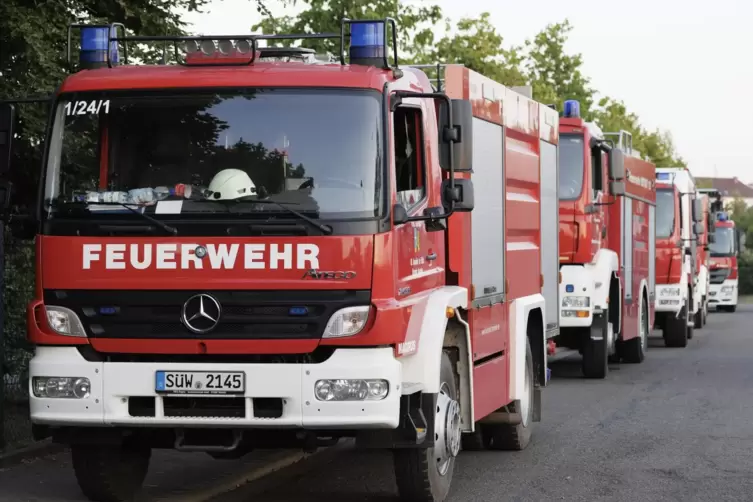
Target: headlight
point(64, 321)
point(346, 322)
point(575, 302)
point(669, 292)
point(728, 289)
point(351, 390)
point(61, 387)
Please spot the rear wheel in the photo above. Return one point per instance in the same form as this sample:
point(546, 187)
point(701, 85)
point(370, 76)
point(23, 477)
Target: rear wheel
point(596, 352)
point(698, 318)
point(424, 475)
point(515, 437)
point(634, 350)
point(110, 474)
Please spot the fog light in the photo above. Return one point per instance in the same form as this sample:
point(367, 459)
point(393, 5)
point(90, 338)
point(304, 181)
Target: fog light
point(61, 387)
point(351, 390)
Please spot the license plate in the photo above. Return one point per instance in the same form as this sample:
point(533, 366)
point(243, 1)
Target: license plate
point(200, 382)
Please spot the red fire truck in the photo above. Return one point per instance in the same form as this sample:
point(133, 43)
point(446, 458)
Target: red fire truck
point(607, 244)
point(724, 249)
point(190, 296)
point(678, 226)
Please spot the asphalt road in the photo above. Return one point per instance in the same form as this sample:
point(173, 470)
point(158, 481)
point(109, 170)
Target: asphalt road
point(677, 427)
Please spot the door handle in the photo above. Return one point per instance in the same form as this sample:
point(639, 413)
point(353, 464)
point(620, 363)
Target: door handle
point(432, 256)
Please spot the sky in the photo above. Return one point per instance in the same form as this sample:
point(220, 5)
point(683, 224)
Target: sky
point(681, 65)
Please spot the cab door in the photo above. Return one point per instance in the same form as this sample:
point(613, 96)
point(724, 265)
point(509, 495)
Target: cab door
point(420, 253)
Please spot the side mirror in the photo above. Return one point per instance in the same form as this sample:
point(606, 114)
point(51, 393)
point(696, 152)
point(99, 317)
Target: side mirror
point(617, 187)
point(617, 166)
point(697, 210)
point(399, 214)
point(712, 238)
point(461, 195)
point(7, 124)
point(461, 134)
point(698, 228)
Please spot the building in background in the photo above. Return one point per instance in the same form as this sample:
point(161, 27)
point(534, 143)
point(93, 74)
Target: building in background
point(730, 188)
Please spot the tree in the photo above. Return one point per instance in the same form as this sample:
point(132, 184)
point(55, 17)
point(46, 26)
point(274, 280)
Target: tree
point(612, 116)
point(554, 74)
point(478, 45)
point(415, 23)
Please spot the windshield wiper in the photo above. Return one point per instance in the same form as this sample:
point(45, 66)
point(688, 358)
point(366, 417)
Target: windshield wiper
point(161, 224)
point(325, 229)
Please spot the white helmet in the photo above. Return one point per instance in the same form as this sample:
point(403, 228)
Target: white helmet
point(230, 184)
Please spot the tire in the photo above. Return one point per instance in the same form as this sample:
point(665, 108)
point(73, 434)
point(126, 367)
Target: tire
point(515, 437)
point(474, 441)
point(705, 311)
point(420, 475)
point(633, 351)
point(110, 474)
point(731, 308)
point(698, 319)
point(676, 329)
point(596, 352)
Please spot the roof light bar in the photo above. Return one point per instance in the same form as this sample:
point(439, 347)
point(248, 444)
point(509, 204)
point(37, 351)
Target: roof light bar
point(572, 109)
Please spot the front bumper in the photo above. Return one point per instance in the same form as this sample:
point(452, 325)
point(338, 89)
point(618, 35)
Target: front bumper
point(576, 297)
point(723, 294)
point(669, 297)
point(113, 384)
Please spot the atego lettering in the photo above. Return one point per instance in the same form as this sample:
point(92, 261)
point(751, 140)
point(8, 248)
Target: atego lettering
point(172, 256)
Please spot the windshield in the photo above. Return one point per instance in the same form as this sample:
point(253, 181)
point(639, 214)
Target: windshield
point(319, 150)
point(571, 166)
point(665, 213)
point(724, 243)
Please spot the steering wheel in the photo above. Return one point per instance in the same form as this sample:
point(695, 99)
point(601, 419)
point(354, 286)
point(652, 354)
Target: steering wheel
point(344, 183)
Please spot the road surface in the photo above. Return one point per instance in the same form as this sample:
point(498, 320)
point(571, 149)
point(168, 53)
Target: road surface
point(677, 427)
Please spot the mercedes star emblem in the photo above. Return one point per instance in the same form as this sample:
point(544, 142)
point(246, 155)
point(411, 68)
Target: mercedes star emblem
point(200, 251)
point(201, 313)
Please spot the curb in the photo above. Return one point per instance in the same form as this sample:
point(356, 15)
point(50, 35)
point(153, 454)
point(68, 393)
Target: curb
point(38, 449)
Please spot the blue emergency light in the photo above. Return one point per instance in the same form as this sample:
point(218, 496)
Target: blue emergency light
point(367, 43)
point(572, 109)
point(94, 45)
point(663, 176)
point(722, 216)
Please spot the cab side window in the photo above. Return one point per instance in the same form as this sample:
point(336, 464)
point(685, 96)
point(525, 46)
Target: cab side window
point(597, 181)
point(409, 158)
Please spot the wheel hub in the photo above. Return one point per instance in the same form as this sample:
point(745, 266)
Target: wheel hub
point(447, 431)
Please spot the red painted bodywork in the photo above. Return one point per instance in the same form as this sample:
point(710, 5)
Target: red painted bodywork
point(668, 251)
point(730, 262)
point(582, 235)
point(382, 262)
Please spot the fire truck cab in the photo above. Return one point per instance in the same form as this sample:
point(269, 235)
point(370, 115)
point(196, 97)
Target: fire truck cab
point(679, 222)
point(606, 245)
point(210, 302)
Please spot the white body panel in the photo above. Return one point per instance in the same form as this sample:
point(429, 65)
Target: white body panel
point(519, 312)
point(112, 384)
point(724, 293)
point(591, 280)
point(550, 229)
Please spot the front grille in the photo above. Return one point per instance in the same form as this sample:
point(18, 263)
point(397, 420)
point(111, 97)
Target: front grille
point(246, 315)
point(719, 275)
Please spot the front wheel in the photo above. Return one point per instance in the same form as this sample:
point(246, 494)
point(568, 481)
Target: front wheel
point(424, 475)
point(596, 351)
point(676, 329)
point(107, 474)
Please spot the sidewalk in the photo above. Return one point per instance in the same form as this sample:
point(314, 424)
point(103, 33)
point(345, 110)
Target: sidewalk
point(173, 476)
